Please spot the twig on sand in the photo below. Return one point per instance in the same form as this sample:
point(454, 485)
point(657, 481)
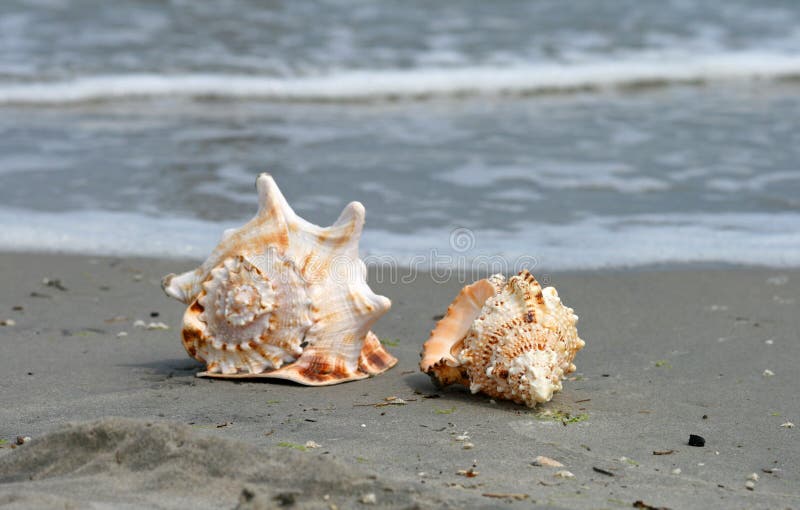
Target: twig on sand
point(388, 401)
point(505, 495)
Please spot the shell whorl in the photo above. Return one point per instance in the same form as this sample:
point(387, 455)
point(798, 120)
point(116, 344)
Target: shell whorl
point(256, 309)
point(517, 346)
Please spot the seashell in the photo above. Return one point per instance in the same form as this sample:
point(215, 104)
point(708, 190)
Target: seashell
point(508, 339)
point(283, 298)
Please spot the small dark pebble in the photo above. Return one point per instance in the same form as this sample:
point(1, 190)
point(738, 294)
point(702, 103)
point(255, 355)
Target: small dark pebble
point(641, 504)
point(705, 416)
point(310, 420)
point(606, 375)
point(303, 345)
point(30, 373)
point(438, 317)
point(20, 440)
point(104, 287)
point(695, 440)
point(17, 308)
point(55, 283)
point(285, 499)
point(154, 314)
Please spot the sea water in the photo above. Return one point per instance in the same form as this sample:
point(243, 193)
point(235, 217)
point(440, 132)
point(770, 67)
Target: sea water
point(574, 134)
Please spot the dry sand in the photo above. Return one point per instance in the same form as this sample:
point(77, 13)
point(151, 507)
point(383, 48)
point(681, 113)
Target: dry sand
point(669, 353)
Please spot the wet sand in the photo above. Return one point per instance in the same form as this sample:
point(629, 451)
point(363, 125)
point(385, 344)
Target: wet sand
point(669, 353)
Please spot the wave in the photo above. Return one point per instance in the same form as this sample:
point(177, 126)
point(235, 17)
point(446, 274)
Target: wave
point(760, 239)
point(369, 85)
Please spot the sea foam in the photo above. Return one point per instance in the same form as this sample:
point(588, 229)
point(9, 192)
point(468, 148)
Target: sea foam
point(366, 85)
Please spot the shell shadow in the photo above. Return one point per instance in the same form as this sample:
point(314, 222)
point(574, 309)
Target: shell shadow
point(166, 369)
point(422, 383)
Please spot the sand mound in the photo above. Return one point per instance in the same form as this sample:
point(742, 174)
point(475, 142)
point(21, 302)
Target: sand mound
point(123, 463)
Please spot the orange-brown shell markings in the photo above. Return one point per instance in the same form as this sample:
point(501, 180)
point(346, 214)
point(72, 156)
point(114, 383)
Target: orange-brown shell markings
point(283, 298)
point(510, 340)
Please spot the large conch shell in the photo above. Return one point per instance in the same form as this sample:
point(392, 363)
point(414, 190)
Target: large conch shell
point(510, 340)
point(283, 298)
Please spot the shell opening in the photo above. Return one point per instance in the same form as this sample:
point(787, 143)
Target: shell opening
point(438, 358)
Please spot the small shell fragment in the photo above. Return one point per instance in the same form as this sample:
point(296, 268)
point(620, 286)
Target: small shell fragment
point(541, 460)
point(369, 498)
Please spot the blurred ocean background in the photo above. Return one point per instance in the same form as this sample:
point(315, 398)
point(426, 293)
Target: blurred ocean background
point(583, 133)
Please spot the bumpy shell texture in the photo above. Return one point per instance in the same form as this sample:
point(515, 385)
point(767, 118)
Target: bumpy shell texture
point(283, 298)
point(510, 340)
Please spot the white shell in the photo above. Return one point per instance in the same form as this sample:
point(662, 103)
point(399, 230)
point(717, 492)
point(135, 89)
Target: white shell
point(510, 340)
point(283, 298)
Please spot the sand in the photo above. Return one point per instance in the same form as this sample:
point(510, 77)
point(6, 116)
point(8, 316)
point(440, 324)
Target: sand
point(670, 352)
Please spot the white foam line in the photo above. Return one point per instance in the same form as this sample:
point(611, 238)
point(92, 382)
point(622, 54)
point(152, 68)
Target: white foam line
point(411, 83)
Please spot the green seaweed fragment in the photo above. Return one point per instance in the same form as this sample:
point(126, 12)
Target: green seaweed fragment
point(446, 411)
point(564, 417)
point(294, 446)
point(391, 343)
point(663, 363)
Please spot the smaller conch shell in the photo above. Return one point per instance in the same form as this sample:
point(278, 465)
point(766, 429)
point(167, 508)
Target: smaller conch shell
point(510, 340)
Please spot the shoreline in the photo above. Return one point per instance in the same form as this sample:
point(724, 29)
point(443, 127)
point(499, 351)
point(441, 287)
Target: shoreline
point(664, 347)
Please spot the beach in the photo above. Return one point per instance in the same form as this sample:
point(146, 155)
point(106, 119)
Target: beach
point(642, 158)
point(670, 351)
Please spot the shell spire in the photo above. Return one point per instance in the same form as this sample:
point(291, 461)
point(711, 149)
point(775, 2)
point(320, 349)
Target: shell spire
point(508, 339)
point(283, 298)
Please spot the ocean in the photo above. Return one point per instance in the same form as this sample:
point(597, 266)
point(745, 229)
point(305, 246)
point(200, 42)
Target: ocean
point(577, 135)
